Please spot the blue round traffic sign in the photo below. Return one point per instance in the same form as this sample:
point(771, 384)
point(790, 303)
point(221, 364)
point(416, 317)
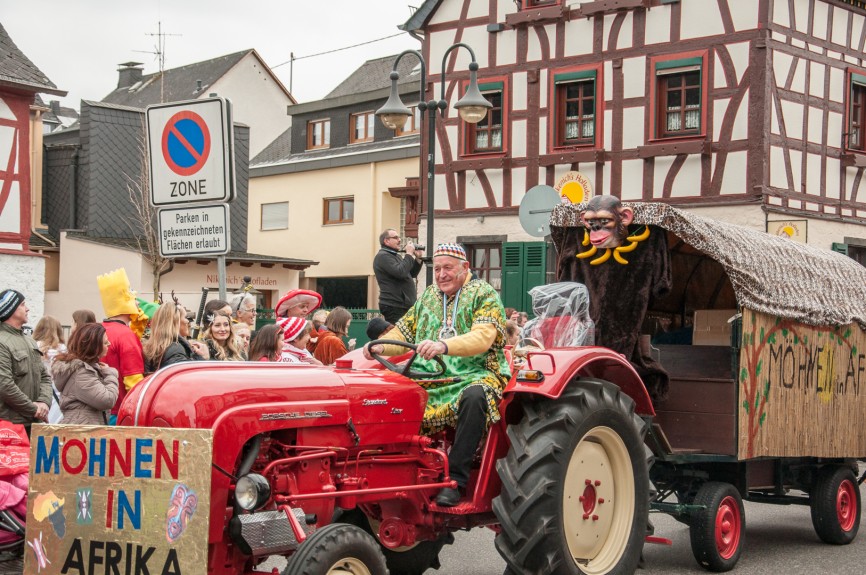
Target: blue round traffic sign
point(185, 143)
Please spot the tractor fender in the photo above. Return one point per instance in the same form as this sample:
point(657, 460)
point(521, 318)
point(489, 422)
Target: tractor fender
point(561, 366)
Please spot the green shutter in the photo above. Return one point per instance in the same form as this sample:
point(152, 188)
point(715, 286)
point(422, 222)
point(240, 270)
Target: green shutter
point(682, 63)
point(574, 76)
point(858, 79)
point(512, 274)
point(491, 87)
point(841, 248)
point(534, 271)
point(524, 266)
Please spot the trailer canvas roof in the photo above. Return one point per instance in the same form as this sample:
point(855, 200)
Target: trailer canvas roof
point(769, 274)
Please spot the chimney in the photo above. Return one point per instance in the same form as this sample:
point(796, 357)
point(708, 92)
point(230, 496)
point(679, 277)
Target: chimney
point(55, 107)
point(129, 73)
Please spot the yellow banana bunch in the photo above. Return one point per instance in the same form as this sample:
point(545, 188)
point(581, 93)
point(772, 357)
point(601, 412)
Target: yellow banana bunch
point(616, 252)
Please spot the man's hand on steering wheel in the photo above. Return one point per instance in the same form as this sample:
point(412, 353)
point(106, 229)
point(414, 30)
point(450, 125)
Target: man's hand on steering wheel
point(430, 349)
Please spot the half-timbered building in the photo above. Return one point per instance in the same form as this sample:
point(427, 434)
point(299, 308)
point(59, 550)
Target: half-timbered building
point(750, 111)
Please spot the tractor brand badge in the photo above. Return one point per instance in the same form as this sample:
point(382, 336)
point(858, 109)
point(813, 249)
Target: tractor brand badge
point(293, 415)
point(375, 402)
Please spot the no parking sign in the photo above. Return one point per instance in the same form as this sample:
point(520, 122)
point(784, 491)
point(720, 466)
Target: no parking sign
point(191, 152)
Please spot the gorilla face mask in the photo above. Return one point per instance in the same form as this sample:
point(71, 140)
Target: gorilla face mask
point(607, 221)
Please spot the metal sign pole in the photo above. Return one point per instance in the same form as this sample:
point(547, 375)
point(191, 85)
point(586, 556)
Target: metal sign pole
point(221, 273)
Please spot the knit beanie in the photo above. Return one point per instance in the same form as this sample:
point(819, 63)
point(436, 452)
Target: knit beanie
point(293, 327)
point(9, 302)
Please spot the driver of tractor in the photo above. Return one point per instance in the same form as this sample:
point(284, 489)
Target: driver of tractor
point(462, 319)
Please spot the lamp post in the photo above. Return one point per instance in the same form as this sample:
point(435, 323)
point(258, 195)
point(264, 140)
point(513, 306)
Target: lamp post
point(472, 108)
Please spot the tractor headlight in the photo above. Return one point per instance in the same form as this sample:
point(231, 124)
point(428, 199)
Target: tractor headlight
point(252, 491)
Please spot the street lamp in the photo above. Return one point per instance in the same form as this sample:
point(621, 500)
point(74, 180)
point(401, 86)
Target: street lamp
point(472, 108)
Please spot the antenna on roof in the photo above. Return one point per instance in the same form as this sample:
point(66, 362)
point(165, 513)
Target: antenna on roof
point(159, 52)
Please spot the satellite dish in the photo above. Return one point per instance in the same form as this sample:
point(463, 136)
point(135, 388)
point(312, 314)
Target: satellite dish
point(535, 209)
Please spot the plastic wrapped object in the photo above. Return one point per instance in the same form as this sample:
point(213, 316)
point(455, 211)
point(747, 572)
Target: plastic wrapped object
point(561, 316)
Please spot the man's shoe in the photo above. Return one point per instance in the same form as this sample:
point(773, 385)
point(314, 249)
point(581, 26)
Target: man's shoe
point(448, 497)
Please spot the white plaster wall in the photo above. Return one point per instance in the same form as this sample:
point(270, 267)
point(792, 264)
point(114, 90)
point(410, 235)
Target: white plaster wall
point(543, 83)
point(542, 134)
point(780, 13)
point(632, 134)
point(813, 174)
point(624, 37)
point(506, 45)
point(856, 29)
point(447, 12)
point(577, 40)
point(781, 65)
point(605, 189)
point(658, 24)
point(476, 37)
point(792, 114)
point(815, 125)
point(26, 274)
point(10, 218)
point(700, 19)
point(734, 181)
point(744, 14)
point(518, 91)
point(608, 130)
point(518, 139)
point(739, 53)
point(833, 178)
point(632, 180)
point(518, 185)
point(634, 77)
point(837, 85)
point(840, 27)
point(257, 101)
point(608, 85)
point(819, 18)
point(816, 79)
point(834, 129)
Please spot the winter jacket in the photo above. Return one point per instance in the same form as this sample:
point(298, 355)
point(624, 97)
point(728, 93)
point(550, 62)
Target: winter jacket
point(86, 391)
point(330, 348)
point(396, 275)
point(177, 352)
point(23, 378)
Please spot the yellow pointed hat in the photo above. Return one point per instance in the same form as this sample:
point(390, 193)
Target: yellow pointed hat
point(117, 297)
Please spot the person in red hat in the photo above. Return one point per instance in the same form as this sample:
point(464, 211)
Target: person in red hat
point(297, 303)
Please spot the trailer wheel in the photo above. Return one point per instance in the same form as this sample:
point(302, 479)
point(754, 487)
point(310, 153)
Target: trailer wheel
point(717, 531)
point(413, 560)
point(575, 486)
point(338, 549)
point(835, 503)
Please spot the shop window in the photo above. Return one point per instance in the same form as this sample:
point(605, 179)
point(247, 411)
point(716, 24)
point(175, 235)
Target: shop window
point(680, 97)
point(362, 127)
point(488, 135)
point(575, 108)
point(318, 134)
point(275, 216)
point(339, 210)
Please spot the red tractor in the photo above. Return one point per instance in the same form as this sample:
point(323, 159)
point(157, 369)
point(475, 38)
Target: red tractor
point(326, 466)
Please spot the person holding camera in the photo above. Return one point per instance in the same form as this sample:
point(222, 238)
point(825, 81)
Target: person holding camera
point(395, 274)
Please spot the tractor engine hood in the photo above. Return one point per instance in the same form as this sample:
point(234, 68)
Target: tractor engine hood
point(206, 394)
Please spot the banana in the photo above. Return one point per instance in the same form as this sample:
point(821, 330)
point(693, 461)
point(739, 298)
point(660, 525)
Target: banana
point(603, 258)
point(588, 253)
point(586, 238)
point(625, 249)
point(619, 258)
point(640, 237)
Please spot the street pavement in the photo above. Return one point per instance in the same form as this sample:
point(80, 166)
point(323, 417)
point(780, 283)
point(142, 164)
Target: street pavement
point(779, 540)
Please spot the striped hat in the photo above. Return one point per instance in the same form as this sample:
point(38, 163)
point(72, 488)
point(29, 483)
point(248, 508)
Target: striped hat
point(453, 250)
point(9, 302)
point(293, 327)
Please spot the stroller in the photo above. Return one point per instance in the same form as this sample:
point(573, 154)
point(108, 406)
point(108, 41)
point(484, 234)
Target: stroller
point(14, 464)
point(561, 317)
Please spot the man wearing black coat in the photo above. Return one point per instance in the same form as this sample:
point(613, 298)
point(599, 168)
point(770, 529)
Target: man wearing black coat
point(396, 273)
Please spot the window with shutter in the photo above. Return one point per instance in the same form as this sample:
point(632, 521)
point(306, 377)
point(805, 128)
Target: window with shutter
point(275, 216)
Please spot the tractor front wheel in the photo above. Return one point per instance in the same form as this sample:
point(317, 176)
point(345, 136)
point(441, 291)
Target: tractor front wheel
point(717, 530)
point(338, 549)
point(835, 503)
point(575, 486)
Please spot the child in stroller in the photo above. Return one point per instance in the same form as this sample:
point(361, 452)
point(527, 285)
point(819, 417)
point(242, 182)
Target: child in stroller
point(14, 465)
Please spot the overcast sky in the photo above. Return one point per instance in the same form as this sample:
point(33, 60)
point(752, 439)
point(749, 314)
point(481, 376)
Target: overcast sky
point(79, 43)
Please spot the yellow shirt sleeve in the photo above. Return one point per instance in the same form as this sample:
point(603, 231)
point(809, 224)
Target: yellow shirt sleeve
point(130, 380)
point(478, 340)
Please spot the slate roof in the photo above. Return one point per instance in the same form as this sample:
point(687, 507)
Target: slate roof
point(56, 114)
point(177, 83)
point(17, 71)
point(375, 75)
point(233, 256)
point(280, 154)
point(277, 151)
point(421, 16)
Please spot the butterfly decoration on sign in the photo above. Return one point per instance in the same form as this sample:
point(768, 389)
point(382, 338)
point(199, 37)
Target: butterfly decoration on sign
point(181, 508)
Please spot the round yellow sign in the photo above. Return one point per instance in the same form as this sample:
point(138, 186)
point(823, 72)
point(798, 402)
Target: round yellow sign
point(575, 187)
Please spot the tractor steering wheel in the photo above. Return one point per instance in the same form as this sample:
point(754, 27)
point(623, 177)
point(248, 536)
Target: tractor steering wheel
point(406, 370)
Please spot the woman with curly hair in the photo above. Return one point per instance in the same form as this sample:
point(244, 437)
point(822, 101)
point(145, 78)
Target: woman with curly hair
point(87, 386)
point(221, 342)
point(166, 345)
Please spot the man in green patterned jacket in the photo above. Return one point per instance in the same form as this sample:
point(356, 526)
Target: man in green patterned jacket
point(462, 319)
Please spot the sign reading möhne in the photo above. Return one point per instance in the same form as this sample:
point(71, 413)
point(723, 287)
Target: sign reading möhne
point(194, 230)
point(191, 152)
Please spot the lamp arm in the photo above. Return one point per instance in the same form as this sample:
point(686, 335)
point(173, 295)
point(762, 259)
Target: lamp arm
point(423, 70)
point(444, 58)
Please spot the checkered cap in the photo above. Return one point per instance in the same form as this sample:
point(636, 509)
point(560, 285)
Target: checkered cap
point(453, 250)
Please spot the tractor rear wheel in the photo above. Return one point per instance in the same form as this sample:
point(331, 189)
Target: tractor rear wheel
point(717, 531)
point(338, 549)
point(835, 503)
point(575, 485)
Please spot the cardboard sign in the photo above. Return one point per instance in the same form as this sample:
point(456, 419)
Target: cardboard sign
point(802, 389)
point(121, 500)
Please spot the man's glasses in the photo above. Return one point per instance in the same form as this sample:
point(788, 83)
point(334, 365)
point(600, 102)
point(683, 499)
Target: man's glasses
point(250, 310)
point(394, 237)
